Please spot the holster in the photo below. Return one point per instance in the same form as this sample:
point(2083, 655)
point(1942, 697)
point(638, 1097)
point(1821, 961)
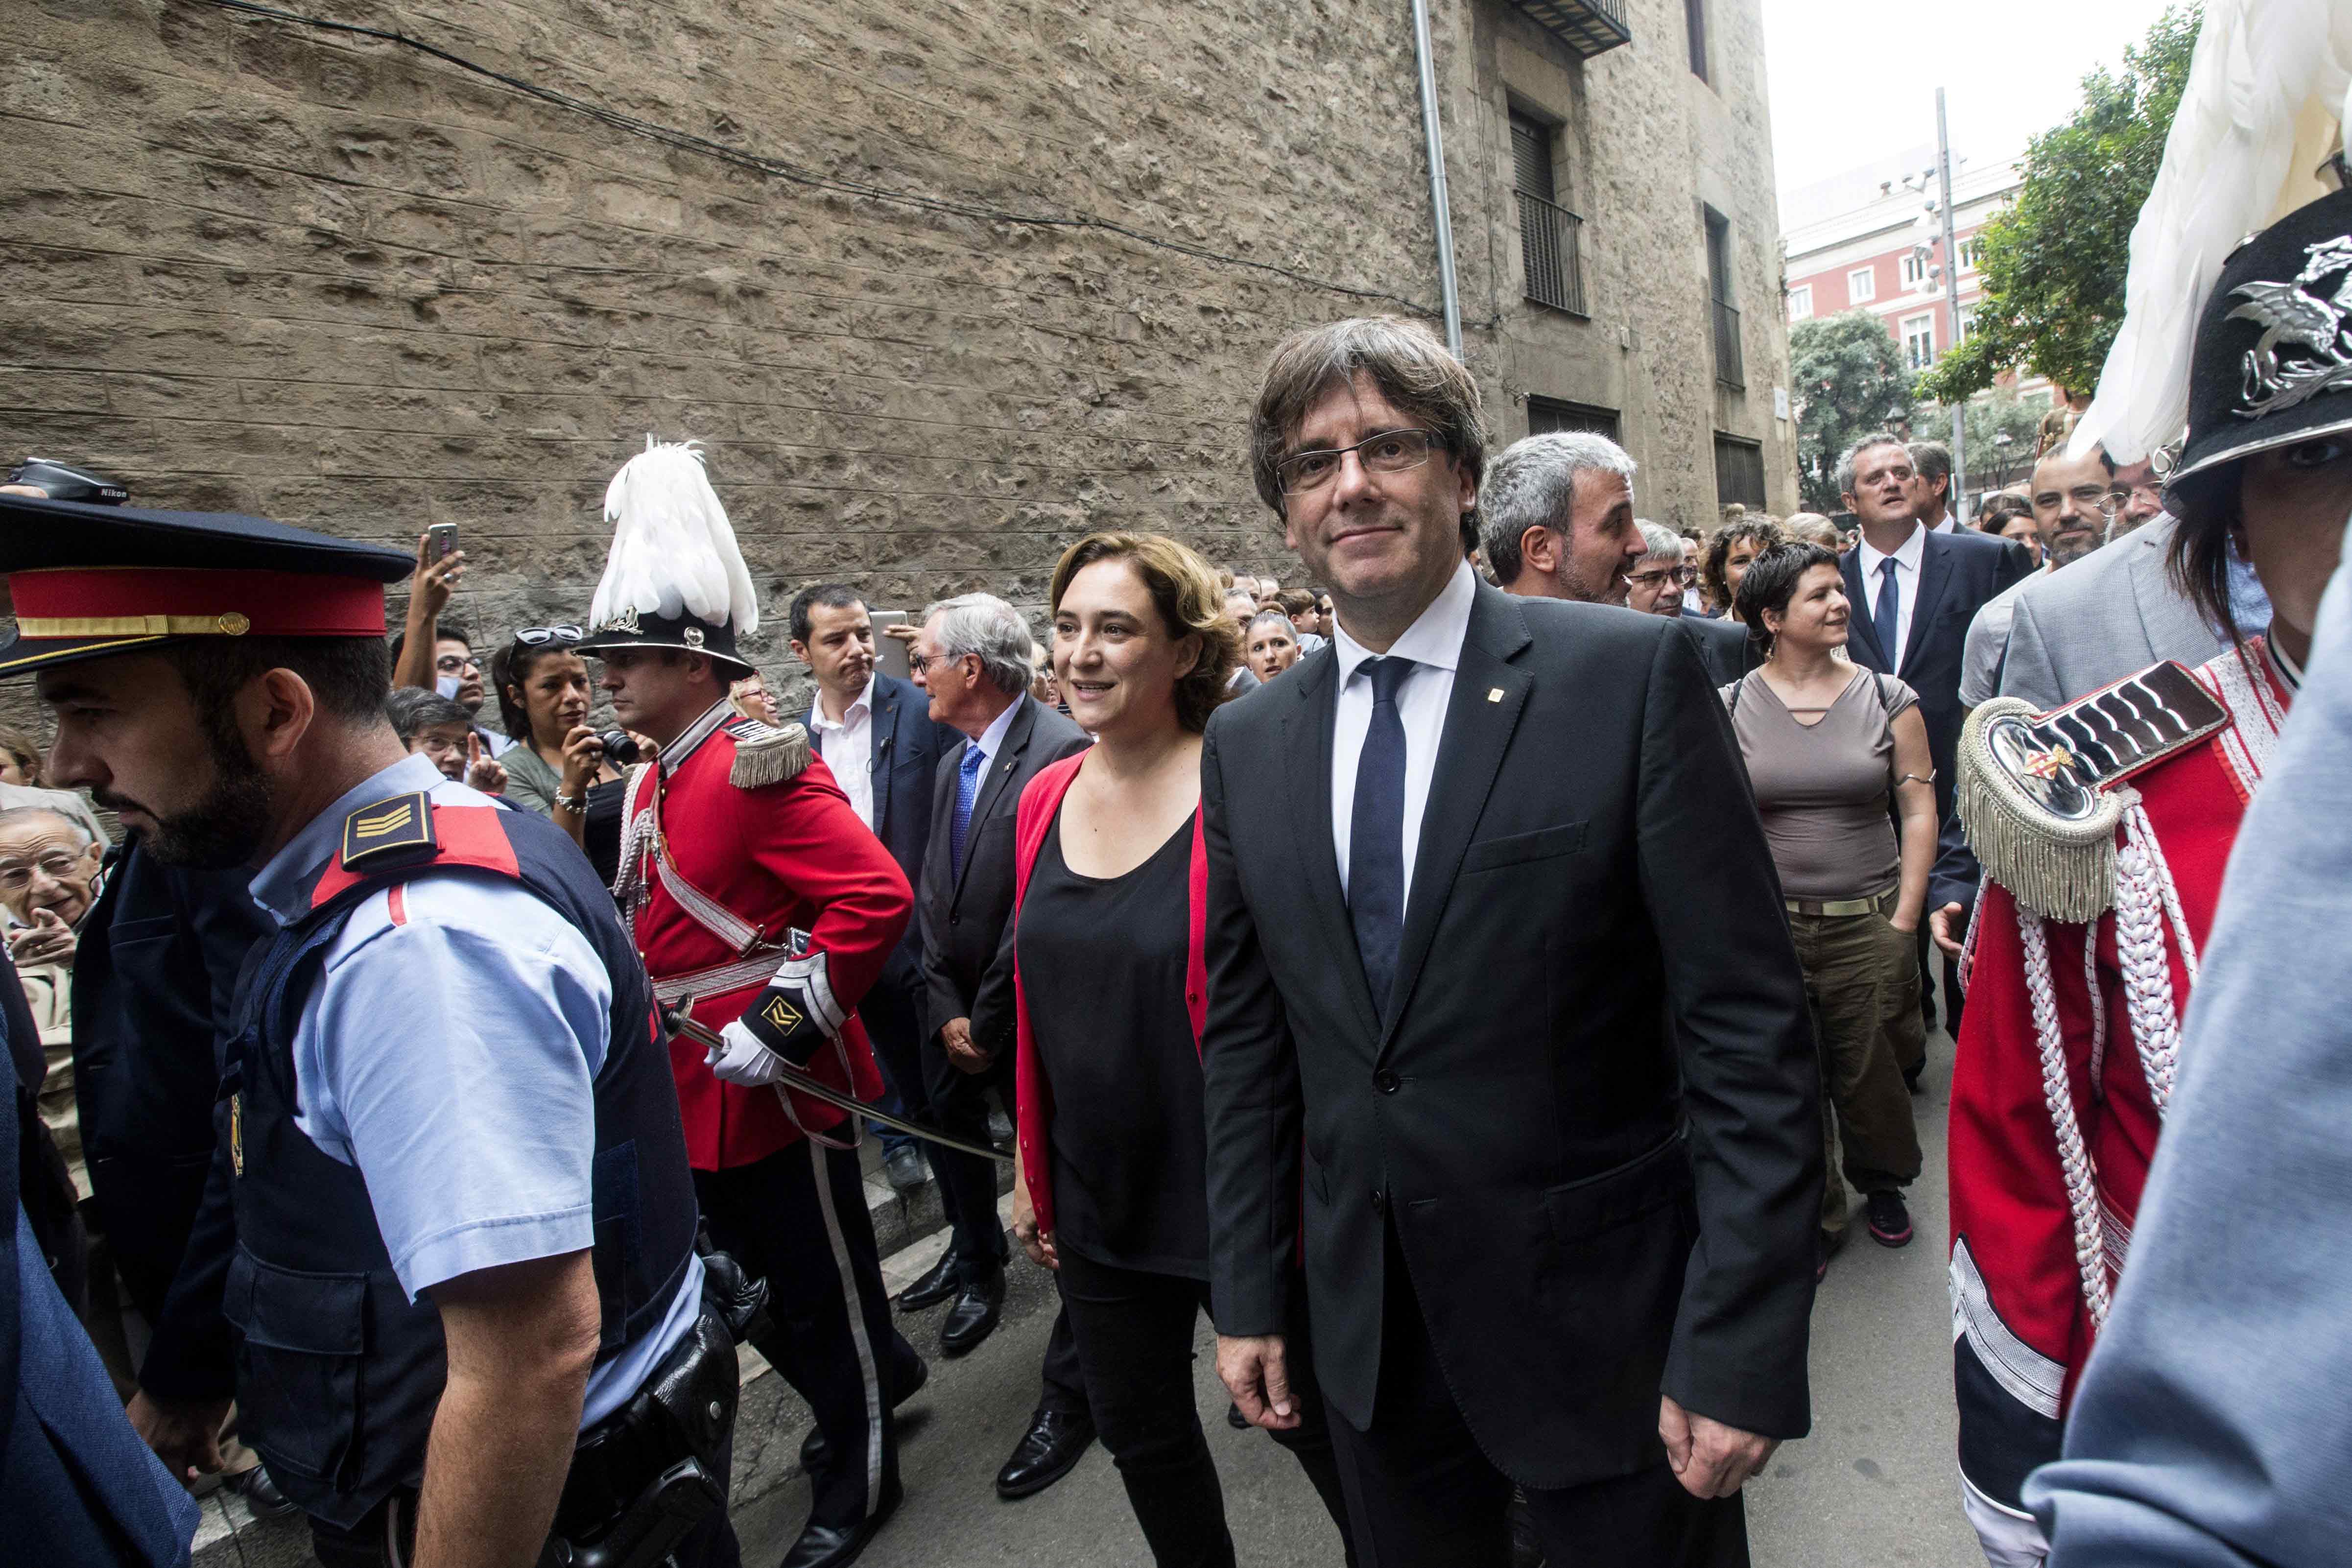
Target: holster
point(646, 1475)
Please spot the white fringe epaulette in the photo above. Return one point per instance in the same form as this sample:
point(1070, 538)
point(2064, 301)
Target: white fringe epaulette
point(2060, 868)
point(766, 755)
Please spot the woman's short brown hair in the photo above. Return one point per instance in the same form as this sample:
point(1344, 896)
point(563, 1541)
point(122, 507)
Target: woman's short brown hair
point(1403, 359)
point(1184, 590)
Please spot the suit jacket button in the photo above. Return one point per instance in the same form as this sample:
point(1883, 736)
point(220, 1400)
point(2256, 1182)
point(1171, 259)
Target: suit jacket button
point(1380, 1201)
point(955, 920)
point(1387, 1082)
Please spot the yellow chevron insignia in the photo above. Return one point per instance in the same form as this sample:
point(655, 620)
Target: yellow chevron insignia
point(389, 830)
point(783, 1014)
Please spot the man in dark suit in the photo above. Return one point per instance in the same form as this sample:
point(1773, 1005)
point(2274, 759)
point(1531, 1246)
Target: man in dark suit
point(972, 656)
point(875, 732)
point(1500, 992)
point(1913, 591)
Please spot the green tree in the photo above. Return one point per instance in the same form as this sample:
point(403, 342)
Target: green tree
point(1850, 380)
point(2052, 264)
point(1990, 416)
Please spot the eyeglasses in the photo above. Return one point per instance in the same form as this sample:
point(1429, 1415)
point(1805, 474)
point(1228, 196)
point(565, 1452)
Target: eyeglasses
point(920, 662)
point(456, 663)
point(535, 636)
point(1684, 575)
point(2105, 500)
point(1389, 452)
point(57, 866)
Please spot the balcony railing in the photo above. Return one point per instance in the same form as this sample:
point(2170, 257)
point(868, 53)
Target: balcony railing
point(1588, 26)
point(1728, 368)
point(1550, 244)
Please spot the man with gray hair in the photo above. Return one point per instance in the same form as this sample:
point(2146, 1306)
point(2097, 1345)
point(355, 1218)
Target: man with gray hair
point(1656, 587)
point(971, 655)
point(1931, 486)
point(1556, 518)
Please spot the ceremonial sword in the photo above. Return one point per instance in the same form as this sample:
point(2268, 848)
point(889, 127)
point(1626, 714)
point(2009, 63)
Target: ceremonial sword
point(676, 1020)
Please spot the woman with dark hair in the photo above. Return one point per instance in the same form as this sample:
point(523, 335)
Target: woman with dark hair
point(1829, 747)
point(1734, 544)
point(2006, 516)
point(543, 686)
point(1110, 994)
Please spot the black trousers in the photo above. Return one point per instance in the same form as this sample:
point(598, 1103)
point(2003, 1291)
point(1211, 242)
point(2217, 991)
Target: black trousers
point(892, 1012)
point(1422, 1495)
point(956, 1102)
point(798, 1218)
point(1134, 1334)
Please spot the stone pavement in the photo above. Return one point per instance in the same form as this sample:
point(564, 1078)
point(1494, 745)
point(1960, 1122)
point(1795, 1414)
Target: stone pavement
point(1873, 1486)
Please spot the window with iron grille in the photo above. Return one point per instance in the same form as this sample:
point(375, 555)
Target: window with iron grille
point(1547, 414)
point(1739, 472)
point(1550, 237)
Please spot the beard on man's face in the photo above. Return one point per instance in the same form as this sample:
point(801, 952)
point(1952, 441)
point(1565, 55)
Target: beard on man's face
point(227, 826)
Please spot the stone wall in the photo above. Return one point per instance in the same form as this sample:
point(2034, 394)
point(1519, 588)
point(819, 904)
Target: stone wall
point(256, 266)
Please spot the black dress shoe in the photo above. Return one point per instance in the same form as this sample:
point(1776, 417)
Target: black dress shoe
point(834, 1546)
point(978, 1305)
point(1055, 1441)
point(938, 1283)
point(817, 1453)
point(261, 1493)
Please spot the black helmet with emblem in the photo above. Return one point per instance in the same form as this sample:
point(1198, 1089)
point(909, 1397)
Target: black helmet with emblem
point(2272, 361)
point(675, 578)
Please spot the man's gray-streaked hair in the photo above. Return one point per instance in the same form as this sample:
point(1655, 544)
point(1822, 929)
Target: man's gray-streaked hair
point(1406, 362)
point(1534, 481)
point(1846, 458)
point(1664, 544)
point(1930, 459)
point(20, 814)
point(984, 625)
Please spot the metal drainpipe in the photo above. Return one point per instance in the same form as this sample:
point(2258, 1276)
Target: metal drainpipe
point(1438, 211)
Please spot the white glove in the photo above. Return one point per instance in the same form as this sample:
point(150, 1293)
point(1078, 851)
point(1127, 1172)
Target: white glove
point(2009, 1540)
point(743, 1059)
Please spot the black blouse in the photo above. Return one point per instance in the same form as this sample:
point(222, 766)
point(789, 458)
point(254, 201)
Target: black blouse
point(1102, 964)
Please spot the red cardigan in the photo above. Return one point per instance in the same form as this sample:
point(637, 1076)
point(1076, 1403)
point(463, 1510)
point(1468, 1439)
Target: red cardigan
point(1039, 801)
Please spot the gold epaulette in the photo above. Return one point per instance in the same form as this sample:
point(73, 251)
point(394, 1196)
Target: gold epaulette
point(2040, 795)
point(389, 833)
point(766, 755)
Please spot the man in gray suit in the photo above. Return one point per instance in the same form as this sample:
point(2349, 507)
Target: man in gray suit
point(972, 658)
point(2110, 615)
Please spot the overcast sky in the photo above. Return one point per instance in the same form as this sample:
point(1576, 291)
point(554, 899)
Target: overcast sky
point(1852, 80)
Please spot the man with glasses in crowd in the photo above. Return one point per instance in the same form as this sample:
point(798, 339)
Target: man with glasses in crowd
point(1660, 584)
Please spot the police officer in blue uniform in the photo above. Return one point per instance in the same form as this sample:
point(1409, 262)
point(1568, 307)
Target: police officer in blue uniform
point(471, 1322)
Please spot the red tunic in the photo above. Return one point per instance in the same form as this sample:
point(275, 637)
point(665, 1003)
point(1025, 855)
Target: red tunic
point(786, 857)
point(2039, 1238)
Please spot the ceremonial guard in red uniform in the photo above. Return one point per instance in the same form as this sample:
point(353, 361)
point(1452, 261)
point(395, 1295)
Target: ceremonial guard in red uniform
point(754, 890)
point(2104, 828)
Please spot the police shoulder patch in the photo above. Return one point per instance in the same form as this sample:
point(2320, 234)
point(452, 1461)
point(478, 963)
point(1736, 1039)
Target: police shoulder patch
point(389, 833)
point(2041, 794)
point(765, 755)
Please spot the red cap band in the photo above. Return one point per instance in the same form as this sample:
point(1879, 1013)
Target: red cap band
point(165, 601)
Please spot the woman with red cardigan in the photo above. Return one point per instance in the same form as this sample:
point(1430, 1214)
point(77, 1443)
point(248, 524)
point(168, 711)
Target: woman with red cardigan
point(1109, 990)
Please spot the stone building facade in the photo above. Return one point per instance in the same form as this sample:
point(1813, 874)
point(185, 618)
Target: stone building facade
point(866, 252)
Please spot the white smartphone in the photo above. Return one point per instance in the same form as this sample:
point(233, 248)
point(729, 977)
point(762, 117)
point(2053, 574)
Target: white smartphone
point(889, 652)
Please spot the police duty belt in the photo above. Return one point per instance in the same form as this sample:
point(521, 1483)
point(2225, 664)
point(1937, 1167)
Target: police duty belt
point(677, 1021)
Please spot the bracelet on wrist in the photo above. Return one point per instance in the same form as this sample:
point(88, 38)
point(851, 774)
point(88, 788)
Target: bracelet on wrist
point(570, 803)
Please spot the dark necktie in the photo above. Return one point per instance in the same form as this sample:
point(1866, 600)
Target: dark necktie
point(1376, 832)
point(1888, 613)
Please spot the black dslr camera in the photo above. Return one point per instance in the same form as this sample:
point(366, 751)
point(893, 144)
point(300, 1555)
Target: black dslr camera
point(63, 481)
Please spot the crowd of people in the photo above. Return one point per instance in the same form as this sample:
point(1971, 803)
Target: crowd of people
point(1480, 981)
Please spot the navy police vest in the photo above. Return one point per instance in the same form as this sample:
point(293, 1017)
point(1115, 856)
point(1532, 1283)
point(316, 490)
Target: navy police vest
point(338, 1373)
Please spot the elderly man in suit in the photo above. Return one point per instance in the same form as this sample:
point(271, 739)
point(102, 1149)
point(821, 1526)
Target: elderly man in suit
point(972, 656)
point(873, 732)
point(1583, 1177)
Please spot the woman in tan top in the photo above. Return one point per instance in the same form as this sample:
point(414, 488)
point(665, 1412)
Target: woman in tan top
point(1827, 746)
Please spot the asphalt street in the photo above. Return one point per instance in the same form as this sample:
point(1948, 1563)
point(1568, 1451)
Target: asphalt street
point(1873, 1486)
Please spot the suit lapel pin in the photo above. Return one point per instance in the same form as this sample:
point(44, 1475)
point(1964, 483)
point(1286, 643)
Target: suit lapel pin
point(1494, 694)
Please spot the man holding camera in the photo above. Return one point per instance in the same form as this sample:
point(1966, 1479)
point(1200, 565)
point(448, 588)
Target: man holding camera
point(765, 910)
point(463, 1277)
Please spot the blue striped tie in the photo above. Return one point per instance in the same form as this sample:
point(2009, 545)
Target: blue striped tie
point(967, 791)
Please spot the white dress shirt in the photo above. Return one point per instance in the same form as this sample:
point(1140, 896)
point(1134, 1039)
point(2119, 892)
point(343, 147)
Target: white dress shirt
point(848, 748)
point(1906, 559)
point(1433, 643)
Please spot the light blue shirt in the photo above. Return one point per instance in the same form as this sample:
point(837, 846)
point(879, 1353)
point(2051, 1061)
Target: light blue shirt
point(448, 1051)
point(991, 740)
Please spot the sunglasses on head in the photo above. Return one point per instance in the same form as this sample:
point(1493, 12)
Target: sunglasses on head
point(538, 637)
